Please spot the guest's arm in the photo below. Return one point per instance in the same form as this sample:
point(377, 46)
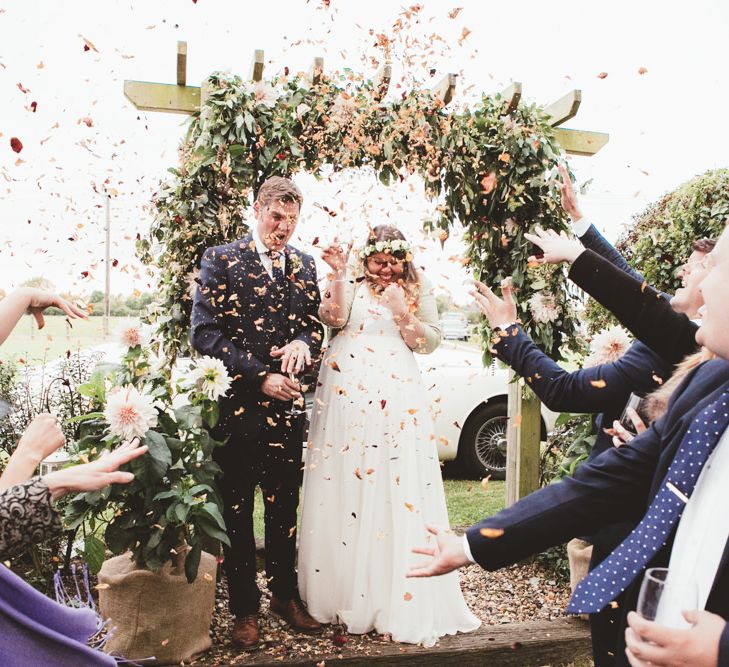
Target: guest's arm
point(42, 437)
point(640, 308)
point(212, 299)
point(599, 388)
point(33, 301)
point(587, 232)
point(27, 516)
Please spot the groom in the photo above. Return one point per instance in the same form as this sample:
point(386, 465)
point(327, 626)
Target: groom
point(257, 311)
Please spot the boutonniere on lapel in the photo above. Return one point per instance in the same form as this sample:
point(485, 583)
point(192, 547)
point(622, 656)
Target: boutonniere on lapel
point(293, 264)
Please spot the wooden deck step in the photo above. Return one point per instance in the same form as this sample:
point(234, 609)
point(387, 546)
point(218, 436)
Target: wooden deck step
point(515, 644)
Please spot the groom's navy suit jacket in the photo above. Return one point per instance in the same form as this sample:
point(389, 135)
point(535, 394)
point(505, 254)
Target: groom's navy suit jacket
point(620, 483)
point(239, 314)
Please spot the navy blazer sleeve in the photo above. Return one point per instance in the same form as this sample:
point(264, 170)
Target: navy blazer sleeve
point(211, 300)
point(640, 308)
point(595, 241)
point(600, 388)
point(614, 487)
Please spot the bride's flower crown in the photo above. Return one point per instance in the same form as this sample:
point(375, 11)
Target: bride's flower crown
point(393, 247)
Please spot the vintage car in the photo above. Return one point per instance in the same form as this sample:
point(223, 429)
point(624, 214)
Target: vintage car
point(454, 326)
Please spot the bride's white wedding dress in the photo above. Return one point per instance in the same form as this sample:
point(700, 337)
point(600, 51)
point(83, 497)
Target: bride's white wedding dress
point(371, 483)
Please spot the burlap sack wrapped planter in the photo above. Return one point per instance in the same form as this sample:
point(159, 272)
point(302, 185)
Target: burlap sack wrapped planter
point(157, 614)
point(579, 554)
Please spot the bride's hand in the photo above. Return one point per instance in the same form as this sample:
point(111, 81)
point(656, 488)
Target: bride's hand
point(393, 298)
point(335, 257)
point(556, 247)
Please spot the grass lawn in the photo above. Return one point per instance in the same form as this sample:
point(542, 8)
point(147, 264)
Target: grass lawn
point(56, 337)
point(467, 502)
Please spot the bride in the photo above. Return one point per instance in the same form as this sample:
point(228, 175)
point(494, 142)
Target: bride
point(372, 478)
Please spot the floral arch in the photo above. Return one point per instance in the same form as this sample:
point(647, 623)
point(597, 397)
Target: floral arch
point(489, 168)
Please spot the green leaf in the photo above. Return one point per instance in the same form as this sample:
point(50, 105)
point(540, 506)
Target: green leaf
point(118, 539)
point(210, 529)
point(94, 553)
point(211, 509)
point(159, 452)
point(236, 150)
point(192, 562)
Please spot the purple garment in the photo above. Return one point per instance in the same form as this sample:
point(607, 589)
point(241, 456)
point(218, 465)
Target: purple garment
point(35, 630)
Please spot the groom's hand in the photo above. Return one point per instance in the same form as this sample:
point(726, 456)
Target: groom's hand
point(280, 387)
point(294, 356)
point(446, 555)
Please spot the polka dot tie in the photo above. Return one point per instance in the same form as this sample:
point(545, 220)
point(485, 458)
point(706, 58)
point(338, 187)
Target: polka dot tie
point(619, 569)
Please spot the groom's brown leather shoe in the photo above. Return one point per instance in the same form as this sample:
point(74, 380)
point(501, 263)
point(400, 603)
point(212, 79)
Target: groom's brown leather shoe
point(294, 613)
point(245, 631)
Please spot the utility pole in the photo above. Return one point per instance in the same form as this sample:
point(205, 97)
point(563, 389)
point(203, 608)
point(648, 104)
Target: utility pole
point(107, 266)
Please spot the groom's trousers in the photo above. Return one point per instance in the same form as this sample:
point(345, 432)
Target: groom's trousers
point(263, 453)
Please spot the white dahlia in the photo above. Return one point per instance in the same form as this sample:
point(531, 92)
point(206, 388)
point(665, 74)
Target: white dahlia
point(131, 334)
point(211, 377)
point(129, 413)
point(544, 307)
point(192, 280)
point(607, 346)
point(264, 93)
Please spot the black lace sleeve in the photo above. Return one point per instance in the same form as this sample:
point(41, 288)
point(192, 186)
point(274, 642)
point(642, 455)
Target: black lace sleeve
point(26, 516)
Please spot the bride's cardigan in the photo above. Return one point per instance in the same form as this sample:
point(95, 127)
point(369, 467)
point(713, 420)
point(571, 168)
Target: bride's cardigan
point(427, 311)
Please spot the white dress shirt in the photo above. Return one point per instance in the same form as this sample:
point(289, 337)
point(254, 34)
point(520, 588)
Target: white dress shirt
point(581, 226)
point(701, 538)
point(263, 253)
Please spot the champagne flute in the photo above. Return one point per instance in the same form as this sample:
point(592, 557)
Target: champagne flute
point(298, 405)
point(676, 597)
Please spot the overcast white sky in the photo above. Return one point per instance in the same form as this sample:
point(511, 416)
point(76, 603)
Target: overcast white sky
point(665, 125)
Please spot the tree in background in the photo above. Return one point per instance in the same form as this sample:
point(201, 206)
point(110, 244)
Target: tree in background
point(660, 238)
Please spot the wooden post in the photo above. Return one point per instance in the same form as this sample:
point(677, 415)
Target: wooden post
point(181, 63)
point(445, 90)
point(257, 66)
point(382, 81)
point(512, 96)
point(523, 437)
point(564, 108)
point(316, 70)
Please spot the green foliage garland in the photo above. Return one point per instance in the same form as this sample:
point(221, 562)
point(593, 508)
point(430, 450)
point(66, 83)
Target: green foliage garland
point(489, 169)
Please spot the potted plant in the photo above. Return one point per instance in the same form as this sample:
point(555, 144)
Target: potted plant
point(159, 590)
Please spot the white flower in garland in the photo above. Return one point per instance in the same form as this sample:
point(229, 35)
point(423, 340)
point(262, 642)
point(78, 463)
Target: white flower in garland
point(211, 377)
point(264, 93)
point(342, 110)
point(544, 307)
point(129, 413)
point(510, 226)
point(607, 346)
point(131, 334)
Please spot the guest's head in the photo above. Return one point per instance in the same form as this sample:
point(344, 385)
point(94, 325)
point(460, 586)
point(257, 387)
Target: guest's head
point(688, 297)
point(714, 330)
point(387, 258)
point(277, 208)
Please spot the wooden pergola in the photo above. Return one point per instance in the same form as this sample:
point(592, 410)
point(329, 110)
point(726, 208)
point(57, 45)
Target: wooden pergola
point(523, 435)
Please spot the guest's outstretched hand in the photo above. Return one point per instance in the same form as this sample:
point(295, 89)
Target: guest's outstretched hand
point(497, 311)
point(447, 554)
point(97, 474)
point(569, 197)
point(555, 247)
point(39, 300)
